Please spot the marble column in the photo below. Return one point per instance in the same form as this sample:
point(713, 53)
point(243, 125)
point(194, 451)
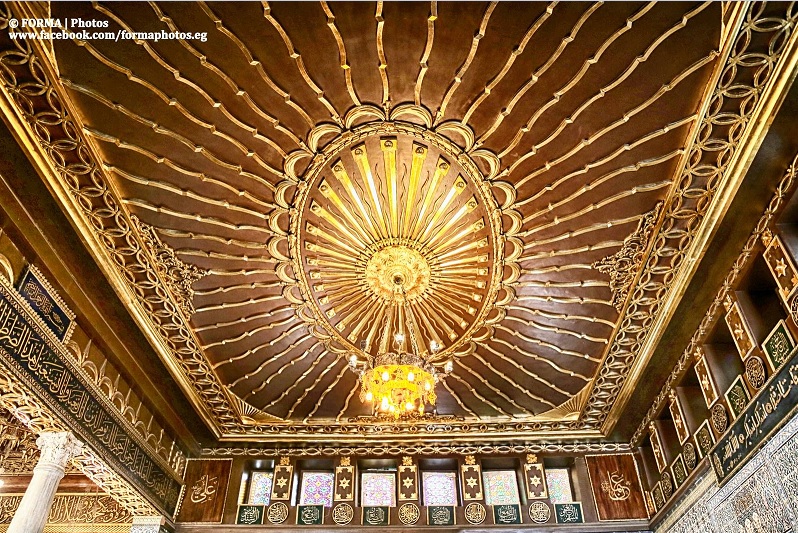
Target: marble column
point(56, 451)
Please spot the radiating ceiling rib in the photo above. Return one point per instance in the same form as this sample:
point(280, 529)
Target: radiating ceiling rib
point(423, 66)
point(558, 330)
point(667, 87)
point(383, 64)
point(505, 357)
point(508, 109)
point(243, 320)
point(251, 60)
point(345, 406)
point(265, 383)
point(627, 147)
point(326, 391)
point(517, 51)
point(461, 71)
point(472, 390)
point(605, 202)
point(294, 54)
point(341, 53)
point(525, 393)
point(561, 316)
point(318, 380)
point(296, 383)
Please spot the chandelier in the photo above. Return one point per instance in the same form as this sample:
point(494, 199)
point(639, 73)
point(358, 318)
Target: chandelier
point(399, 381)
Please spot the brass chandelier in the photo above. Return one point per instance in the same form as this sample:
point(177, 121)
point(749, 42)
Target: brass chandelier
point(399, 382)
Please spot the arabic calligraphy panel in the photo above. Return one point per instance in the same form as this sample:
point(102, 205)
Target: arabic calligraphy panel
point(440, 515)
point(507, 514)
point(205, 491)
point(569, 513)
point(250, 514)
point(615, 482)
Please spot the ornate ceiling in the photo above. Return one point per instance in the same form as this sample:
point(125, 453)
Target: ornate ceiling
point(253, 195)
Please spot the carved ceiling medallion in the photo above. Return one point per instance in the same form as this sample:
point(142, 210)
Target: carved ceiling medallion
point(390, 201)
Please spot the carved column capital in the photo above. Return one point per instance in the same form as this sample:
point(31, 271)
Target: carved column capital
point(57, 449)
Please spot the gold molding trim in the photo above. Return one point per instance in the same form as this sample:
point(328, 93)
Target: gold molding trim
point(784, 190)
point(713, 169)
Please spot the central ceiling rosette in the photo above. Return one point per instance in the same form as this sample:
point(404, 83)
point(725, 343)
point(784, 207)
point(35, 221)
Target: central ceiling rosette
point(392, 204)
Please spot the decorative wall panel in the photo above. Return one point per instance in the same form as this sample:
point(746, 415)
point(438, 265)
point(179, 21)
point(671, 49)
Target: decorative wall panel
point(317, 489)
point(205, 490)
point(615, 481)
point(762, 496)
point(501, 487)
point(378, 489)
point(558, 481)
point(260, 488)
point(440, 488)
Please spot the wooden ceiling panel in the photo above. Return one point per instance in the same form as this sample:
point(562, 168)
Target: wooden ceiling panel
point(262, 156)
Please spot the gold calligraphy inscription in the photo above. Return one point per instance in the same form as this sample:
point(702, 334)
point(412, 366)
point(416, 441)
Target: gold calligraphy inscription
point(616, 486)
point(204, 489)
point(28, 350)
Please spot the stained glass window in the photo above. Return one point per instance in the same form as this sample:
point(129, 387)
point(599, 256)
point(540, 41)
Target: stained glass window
point(559, 482)
point(317, 488)
point(440, 488)
point(378, 488)
point(501, 487)
point(260, 488)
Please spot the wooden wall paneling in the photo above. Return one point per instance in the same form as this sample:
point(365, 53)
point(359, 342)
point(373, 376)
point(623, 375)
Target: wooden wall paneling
point(205, 491)
point(616, 487)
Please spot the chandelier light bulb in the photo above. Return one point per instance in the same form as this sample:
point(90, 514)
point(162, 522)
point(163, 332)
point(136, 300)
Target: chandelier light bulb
point(434, 346)
point(411, 376)
point(409, 406)
point(386, 376)
point(385, 403)
point(427, 386)
point(399, 337)
point(369, 396)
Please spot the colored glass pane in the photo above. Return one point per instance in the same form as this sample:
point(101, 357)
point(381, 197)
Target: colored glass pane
point(378, 488)
point(559, 482)
point(440, 488)
point(260, 488)
point(501, 487)
point(317, 488)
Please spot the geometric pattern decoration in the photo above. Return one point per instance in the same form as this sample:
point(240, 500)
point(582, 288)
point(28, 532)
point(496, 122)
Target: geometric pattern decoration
point(344, 482)
point(316, 489)
point(378, 489)
point(408, 480)
point(760, 496)
point(440, 488)
point(471, 479)
point(535, 478)
point(501, 487)
point(260, 488)
point(282, 481)
point(558, 481)
point(740, 328)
